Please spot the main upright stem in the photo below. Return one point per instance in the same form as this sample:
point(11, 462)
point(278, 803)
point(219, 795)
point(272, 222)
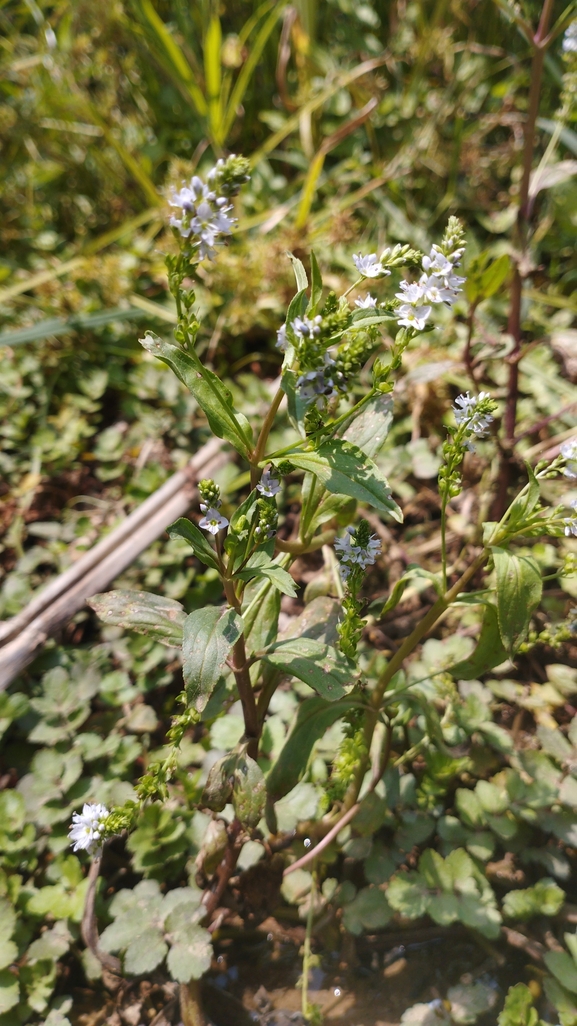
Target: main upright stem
point(523, 218)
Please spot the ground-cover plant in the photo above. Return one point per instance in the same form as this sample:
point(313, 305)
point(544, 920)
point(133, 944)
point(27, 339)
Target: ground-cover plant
point(410, 726)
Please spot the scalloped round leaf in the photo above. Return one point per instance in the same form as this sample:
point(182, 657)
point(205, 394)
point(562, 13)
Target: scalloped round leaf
point(470, 1000)
point(369, 910)
point(190, 960)
point(9, 991)
point(145, 952)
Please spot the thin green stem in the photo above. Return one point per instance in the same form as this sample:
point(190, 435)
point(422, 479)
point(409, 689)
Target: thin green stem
point(355, 285)
point(444, 541)
point(395, 664)
point(260, 446)
point(307, 948)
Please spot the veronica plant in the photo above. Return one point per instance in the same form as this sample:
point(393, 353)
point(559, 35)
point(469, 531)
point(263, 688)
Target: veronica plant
point(235, 651)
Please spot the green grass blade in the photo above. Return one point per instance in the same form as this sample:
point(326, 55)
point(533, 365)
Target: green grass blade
point(249, 67)
point(213, 76)
point(180, 67)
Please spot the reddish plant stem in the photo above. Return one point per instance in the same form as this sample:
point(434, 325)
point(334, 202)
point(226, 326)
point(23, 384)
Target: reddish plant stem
point(539, 48)
point(89, 928)
point(211, 897)
point(241, 672)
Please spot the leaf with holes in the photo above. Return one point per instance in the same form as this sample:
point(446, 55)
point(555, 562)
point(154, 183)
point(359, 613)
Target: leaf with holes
point(158, 617)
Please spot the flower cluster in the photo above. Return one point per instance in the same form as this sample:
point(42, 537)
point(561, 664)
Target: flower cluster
point(267, 521)
point(319, 384)
point(87, 828)
point(205, 208)
point(203, 218)
point(569, 452)
point(437, 284)
point(307, 327)
point(474, 412)
point(356, 549)
point(210, 503)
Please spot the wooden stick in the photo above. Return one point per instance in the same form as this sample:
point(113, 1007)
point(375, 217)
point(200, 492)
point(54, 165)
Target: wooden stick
point(48, 611)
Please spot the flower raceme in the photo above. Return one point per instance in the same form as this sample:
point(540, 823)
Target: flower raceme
point(204, 208)
point(356, 549)
point(474, 412)
point(86, 830)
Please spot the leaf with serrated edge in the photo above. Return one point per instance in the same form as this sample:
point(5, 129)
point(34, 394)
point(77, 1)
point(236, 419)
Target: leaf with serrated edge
point(320, 666)
point(189, 532)
point(519, 589)
point(344, 469)
point(209, 635)
point(211, 395)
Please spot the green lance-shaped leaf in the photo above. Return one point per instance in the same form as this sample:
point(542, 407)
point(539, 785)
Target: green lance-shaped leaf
point(563, 968)
point(519, 589)
point(299, 272)
point(261, 565)
point(189, 532)
point(315, 716)
point(371, 425)
point(159, 617)
point(344, 469)
point(209, 635)
point(489, 651)
point(211, 395)
point(320, 666)
point(316, 285)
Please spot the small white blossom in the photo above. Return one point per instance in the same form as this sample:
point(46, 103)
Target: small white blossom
point(437, 262)
point(306, 327)
point(213, 521)
point(268, 485)
point(413, 316)
point(86, 830)
point(369, 266)
point(466, 412)
point(434, 290)
point(281, 339)
point(569, 44)
point(569, 451)
point(571, 522)
point(441, 266)
point(410, 293)
point(367, 303)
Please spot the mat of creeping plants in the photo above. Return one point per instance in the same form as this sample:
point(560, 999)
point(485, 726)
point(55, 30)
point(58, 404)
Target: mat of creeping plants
point(311, 756)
